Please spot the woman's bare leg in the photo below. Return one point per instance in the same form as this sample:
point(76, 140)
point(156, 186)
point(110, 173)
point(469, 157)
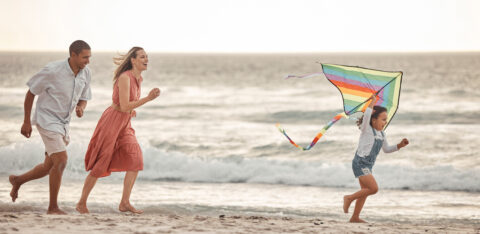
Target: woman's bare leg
point(128, 183)
point(90, 182)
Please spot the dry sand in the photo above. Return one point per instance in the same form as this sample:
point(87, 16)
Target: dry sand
point(35, 222)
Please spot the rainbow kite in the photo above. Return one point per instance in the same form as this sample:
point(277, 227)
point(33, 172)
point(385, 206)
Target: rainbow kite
point(357, 85)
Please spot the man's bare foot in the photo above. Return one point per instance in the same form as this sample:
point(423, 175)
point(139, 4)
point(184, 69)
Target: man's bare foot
point(56, 211)
point(82, 208)
point(346, 203)
point(124, 207)
point(15, 187)
point(357, 220)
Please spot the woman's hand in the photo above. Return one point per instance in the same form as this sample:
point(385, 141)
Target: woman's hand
point(403, 143)
point(154, 93)
point(133, 113)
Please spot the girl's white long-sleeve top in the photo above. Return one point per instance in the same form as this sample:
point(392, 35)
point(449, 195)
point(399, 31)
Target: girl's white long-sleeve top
point(367, 138)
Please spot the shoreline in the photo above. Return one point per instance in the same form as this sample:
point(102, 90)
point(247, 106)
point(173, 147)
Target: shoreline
point(274, 201)
point(35, 222)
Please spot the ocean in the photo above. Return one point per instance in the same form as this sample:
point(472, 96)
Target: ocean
point(210, 144)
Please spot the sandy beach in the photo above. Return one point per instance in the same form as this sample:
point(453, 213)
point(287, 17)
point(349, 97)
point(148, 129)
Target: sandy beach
point(235, 208)
point(34, 222)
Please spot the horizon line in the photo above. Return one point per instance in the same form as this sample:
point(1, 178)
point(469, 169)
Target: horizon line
point(256, 52)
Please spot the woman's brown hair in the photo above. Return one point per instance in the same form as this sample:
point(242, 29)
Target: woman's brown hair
point(124, 62)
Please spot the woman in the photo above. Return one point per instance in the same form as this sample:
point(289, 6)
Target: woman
point(113, 146)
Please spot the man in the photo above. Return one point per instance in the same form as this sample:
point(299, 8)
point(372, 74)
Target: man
point(61, 86)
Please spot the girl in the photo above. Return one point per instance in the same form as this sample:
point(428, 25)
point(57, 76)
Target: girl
point(113, 146)
point(371, 140)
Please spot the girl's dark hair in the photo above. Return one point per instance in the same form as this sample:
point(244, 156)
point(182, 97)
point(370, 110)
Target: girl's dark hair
point(377, 110)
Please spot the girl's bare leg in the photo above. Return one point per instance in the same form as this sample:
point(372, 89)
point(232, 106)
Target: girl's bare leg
point(361, 201)
point(90, 181)
point(128, 183)
point(368, 187)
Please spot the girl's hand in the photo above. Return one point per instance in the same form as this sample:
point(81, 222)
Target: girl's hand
point(374, 100)
point(154, 93)
point(133, 113)
point(403, 143)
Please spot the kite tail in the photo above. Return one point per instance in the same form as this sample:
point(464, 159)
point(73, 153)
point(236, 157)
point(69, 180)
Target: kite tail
point(318, 136)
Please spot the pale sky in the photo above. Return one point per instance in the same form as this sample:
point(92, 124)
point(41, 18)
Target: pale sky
point(242, 25)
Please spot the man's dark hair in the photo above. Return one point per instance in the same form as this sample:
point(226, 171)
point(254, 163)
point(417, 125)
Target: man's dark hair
point(77, 47)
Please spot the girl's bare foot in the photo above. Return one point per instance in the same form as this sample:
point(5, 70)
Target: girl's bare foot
point(56, 211)
point(15, 187)
point(346, 203)
point(82, 208)
point(357, 220)
point(124, 207)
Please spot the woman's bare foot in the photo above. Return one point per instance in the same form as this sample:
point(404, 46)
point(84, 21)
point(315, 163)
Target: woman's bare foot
point(82, 208)
point(357, 220)
point(15, 187)
point(124, 207)
point(346, 203)
point(56, 211)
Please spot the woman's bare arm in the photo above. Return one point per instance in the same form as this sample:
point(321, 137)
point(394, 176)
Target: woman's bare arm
point(124, 95)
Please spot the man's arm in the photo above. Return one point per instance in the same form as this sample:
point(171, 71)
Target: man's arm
point(27, 107)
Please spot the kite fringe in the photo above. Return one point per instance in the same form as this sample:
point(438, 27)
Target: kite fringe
point(318, 136)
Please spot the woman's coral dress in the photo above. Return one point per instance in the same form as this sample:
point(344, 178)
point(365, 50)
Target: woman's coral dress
point(113, 146)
